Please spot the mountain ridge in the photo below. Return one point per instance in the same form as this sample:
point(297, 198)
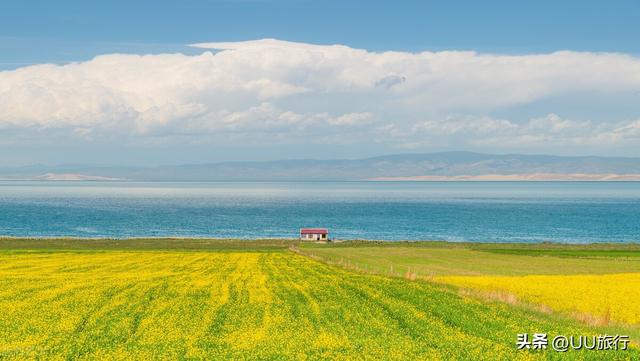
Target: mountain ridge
point(418, 166)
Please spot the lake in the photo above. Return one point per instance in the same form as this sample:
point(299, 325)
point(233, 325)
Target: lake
point(569, 212)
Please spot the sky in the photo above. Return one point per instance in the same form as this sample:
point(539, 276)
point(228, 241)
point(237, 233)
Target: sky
point(153, 82)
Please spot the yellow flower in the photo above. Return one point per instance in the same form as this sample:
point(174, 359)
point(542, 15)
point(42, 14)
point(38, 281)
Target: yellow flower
point(606, 297)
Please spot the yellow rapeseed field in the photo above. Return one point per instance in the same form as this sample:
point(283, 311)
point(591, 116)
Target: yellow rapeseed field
point(607, 297)
point(231, 305)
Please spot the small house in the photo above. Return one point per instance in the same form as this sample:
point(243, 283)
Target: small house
point(314, 234)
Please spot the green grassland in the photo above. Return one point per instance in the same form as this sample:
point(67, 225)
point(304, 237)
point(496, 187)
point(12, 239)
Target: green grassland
point(142, 244)
point(225, 299)
point(446, 259)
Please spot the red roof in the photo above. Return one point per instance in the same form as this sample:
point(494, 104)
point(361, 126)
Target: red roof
point(314, 231)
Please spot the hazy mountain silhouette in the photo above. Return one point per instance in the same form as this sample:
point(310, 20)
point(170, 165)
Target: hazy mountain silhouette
point(438, 165)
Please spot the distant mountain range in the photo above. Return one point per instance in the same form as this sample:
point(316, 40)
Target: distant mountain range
point(400, 167)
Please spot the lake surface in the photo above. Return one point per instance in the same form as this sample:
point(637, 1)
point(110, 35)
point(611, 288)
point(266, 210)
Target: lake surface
point(571, 212)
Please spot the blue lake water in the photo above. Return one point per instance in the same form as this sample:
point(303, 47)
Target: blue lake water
point(572, 212)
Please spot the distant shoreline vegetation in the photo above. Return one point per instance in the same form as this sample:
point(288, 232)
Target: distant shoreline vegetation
point(215, 243)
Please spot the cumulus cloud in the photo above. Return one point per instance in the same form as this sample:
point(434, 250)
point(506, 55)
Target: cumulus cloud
point(337, 93)
point(550, 130)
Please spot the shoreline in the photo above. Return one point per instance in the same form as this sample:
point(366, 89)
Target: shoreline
point(176, 243)
point(292, 239)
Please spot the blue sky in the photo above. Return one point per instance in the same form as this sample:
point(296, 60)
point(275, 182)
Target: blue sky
point(59, 31)
point(496, 76)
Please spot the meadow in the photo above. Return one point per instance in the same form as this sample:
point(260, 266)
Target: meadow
point(596, 284)
point(73, 299)
point(429, 259)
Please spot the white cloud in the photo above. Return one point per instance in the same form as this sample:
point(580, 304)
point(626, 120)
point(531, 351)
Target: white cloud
point(247, 89)
point(541, 133)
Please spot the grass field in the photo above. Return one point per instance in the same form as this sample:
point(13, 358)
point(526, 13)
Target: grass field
point(429, 259)
point(63, 299)
point(597, 284)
